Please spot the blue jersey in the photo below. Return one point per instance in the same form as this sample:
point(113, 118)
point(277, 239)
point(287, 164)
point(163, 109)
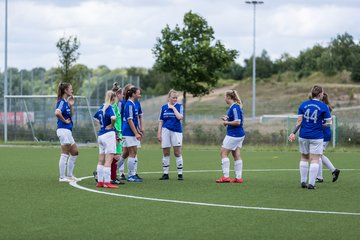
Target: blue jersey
point(169, 119)
point(235, 113)
point(314, 113)
point(121, 107)
point(130, 112)
point(65, 110)
point(105, 119)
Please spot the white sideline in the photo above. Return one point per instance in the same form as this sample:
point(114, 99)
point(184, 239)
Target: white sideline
point(76, 185)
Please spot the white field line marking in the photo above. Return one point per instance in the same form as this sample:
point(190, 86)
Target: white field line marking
point(74, 184)
point(245, 170)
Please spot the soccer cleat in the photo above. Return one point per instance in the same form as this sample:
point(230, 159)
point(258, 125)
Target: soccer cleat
point(64, 180)
point(180, 177)
point(95, 176)
point(223, 180)
point(304, 185)
point(319, 180)
point(164, 177)
point(311, 187)
point(133, 179)
point(136, 175)
point(100, 184)
point(109, 185)
point(122, 177)
point(335, 174)
point(235, 180)
point(117, 182)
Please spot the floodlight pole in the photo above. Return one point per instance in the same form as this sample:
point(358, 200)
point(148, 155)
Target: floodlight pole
point(254, 3)
point(5, 74)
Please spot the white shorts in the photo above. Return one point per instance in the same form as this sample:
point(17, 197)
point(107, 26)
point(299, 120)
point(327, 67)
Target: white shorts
point(232, 143)
point(312, 146)
point(107, 143)
point(130, 141)
point(170, 138)
point(65, 136)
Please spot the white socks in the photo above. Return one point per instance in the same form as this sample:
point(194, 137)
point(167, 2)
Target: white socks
point(107, 174)
point(71, 165)
point(314, 168)
point(121, 165)
point(131, 166)
point(179, 164)
point(62, 164)
point(238, 165)
point(100, 173)
point(319, 175)
point(225, 164)
point(304, 166)
point(166, 164)
point(327, 163)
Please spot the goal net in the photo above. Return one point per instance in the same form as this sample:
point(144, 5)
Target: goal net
point(32, 118)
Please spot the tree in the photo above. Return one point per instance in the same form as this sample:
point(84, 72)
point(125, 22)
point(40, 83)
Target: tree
point(192, 56)
point(68, 54)
point(264, 66)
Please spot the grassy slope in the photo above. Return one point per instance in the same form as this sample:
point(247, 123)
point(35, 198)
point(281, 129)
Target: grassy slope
point(279, 94)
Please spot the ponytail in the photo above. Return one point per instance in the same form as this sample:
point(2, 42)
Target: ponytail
point(129, 93)
point(234, 96)
point(109, 97)
point(61, 89)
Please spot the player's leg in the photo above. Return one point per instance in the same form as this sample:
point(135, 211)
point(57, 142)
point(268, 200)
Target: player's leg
point(179, 162)
point(238, 166)
point(74, 153)
point(316, 150)
point(165, 163)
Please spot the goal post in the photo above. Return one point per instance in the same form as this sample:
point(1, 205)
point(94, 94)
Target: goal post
point(32, 117)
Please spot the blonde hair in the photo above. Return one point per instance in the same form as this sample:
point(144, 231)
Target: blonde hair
point(109, 97)
point(172, 91)
point(327, 101)
point(234, 96)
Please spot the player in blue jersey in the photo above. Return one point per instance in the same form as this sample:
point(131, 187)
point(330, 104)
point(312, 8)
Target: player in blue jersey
point(234, 138)
point(170, 134)
point(69, 150)
point(121, 161)
point(106, 118)
point(327, 138)
point(131, 132)
point(313, 115)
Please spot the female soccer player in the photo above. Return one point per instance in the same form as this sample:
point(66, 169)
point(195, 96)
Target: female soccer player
point(69, 150)
point(234, 138)
point(107, 140)
point(327, 138)
point(121, 162)
point(170, 133)
point(311, 115)
point(131, 132)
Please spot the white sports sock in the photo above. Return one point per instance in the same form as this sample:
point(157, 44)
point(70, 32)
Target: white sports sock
point(131, 166)
point(62, 164)
point(327, 163)
point(319, 175)
point(100, 173)
point(166, 164)
point(136, 164)
point(225, 164)
point(107, 174)
point(314, 168)
point(71, 165)
point(179, 164)
point(304, 166)
point(238, 165)
point(120, 164)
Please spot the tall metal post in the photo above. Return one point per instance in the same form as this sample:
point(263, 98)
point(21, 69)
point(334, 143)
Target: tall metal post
point(5, 74)
point(254, 3)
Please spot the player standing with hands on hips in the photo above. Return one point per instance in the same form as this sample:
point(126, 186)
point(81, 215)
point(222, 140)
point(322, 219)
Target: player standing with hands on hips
point(311, 115)
point(69, 150)
point(170, 134)
point(234, 138)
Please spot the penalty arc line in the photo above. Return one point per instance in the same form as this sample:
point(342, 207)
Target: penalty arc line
point(76, 185)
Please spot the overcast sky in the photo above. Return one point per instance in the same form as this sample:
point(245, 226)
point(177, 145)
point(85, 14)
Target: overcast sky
point(121, 33)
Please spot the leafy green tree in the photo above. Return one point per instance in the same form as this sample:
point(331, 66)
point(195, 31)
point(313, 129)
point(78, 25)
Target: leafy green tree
point(68, 55)
point(264, 66)
point(234, 71)
point(192, 56)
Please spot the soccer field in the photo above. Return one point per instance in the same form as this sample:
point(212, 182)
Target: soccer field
point(269, 204)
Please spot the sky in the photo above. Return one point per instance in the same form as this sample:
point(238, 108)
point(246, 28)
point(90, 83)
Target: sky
point(121, 33)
